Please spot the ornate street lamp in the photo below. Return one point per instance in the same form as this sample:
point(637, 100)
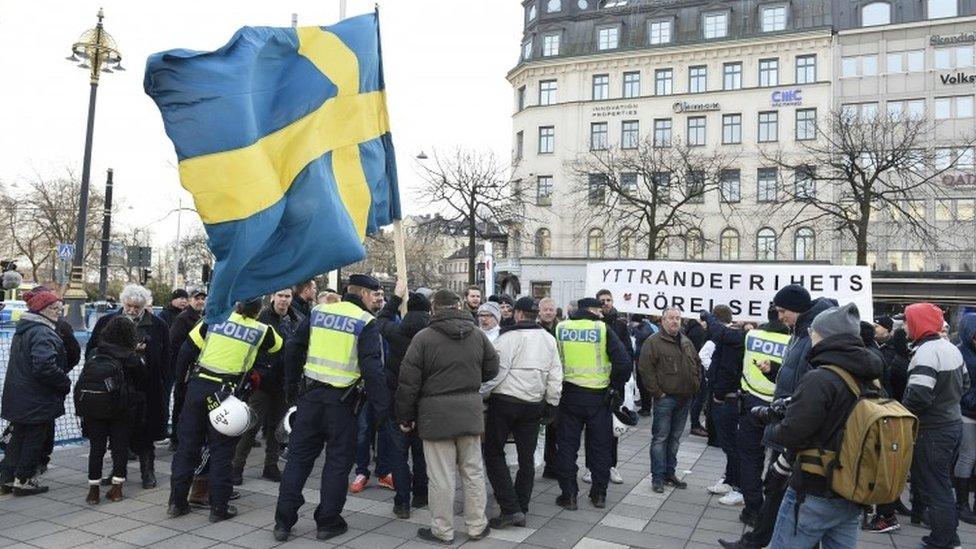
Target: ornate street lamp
point(96, 51)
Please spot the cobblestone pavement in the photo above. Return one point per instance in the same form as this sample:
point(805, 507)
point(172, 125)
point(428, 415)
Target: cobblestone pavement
point(634, 516)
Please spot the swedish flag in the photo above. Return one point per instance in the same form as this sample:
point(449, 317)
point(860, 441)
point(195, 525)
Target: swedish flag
point(283, 139)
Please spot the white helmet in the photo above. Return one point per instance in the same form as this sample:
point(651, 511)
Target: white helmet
point(623, 419)
point(284, 428)
point(619, 427)
point(232, 417)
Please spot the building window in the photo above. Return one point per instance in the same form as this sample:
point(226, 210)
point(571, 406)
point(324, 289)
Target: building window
point(696, 131)
point(543, 190)
point(805, 244)
point(663, 82)
point(659, 32)
point(601, 86)
point(960, 209)
point(697, 79)
point(527, 50)
point(806, 124)
point(541, 290)
point(531, 12)
point(773, 18)
point(864, 65)
point(607, 38)
point(550, 45)
point(662, 132)
point(731, 190)
point(519, 145)
point(768, 72)
point(766, 185)
point(766, 244)
point(598, 136)
point(960, 158)
point(543, 243)
point(768, 126)
point(805, 185)
point(520, 99)
point(806, 69)
point(938, 9)
point(864, 111)
point(629, 134)
point(661, 182)
point(953, 107)
point(628, 182)
point(594, 243)
point(695, 187)
point(715, 25)
point(954, 58)
point(731, 129)
point(732, 76)
point(632, 84)
point(729, 245)
point(626, 244)
point(876, 13)
point(694, 245)
point(597, 189)
point(552, 6)
point(547, 139)
point(547, 92)
point(905, 61)
point(908, 108)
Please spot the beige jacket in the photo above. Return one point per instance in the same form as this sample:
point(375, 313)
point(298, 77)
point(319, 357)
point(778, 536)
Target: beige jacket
point(529, 366)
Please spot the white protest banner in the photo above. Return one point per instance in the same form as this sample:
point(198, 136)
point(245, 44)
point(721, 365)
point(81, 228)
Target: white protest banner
point(648, 287)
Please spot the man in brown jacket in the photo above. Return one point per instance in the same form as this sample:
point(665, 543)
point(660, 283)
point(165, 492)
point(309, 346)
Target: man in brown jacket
point(437, 394)
point(670, 368)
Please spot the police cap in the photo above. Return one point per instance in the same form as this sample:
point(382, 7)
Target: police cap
point(589, 303)
point(364, 281)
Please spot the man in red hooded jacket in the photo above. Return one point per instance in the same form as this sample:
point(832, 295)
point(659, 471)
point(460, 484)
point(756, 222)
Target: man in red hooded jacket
point(937, 379)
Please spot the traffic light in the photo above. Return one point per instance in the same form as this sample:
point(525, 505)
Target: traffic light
point(146, 275)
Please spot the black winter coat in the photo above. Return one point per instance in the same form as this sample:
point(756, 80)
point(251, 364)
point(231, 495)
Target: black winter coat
point(169, 314)
point(271, 367)
point(36, 381)
point(72, 349)
point(819, 406)
point(134, 373)
point(725, 371)
point(155, 334)
point(398, 335)
point(618, 325)
point(178, 332)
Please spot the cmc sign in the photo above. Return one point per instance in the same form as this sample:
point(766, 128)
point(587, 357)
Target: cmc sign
point(786, 98)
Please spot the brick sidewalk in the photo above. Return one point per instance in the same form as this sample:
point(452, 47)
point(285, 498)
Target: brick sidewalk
point(635, 516)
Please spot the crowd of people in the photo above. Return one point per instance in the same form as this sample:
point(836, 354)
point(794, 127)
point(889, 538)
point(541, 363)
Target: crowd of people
point(428, 387)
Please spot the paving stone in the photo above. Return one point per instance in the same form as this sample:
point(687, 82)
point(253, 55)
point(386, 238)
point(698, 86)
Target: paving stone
point(372, 540)
point(146, 535)
point(224, 530)
point(111, 526)
point(185, 541)
point(635, 539)
point(559, 533)
point(32, 530)
point(64, 538)
point(590, 543)
point(624, 522)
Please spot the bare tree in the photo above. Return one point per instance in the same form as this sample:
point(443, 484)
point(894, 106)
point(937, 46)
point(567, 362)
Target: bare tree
point(652, 189)
point(424, 249)
point(872, 164)
point(472, 189)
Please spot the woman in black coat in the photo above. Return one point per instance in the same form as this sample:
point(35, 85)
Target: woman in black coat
point(153, 338)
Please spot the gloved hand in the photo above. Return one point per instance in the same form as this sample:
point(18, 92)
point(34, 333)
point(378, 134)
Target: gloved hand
point(549, 414)
point(615, 398)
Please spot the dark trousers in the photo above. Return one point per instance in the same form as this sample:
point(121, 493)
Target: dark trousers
point(407, 480)
point(320, 420)
point(726, 416)
point(100, 432)
point(774, 487)
point(179, 396)
point(521, 420)
point(369, 438)
point(195, 431)
point(699, 401)
point(48, 449)
point(646, 399)
point(24, 450)
point(573, 420)
point(550, 456)
point(935, 454)
point(752, 454)
point(270, 407)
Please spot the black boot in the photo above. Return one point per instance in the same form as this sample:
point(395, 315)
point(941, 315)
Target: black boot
point(147, 468)
point(962, 501)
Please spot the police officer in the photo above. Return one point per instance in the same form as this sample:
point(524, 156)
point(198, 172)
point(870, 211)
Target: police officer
point(331, 353)
point(227, 352)
point(596, 366)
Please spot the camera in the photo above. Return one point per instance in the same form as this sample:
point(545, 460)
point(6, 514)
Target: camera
point(775, 411)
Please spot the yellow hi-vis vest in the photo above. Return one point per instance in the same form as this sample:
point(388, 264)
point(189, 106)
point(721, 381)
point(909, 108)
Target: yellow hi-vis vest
point(761, 345)
point(230, 347)
point(583, 348)
point(333, 350)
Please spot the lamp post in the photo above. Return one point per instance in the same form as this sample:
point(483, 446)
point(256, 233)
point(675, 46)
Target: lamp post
point(95, 50)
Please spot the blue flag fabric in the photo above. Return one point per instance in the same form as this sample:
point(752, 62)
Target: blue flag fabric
point(283, 139)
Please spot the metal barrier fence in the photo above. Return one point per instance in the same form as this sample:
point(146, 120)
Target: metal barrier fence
point(67, 428)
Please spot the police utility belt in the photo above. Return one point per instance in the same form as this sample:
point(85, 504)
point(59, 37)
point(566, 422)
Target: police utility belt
point(354, 394)
point(226, 380)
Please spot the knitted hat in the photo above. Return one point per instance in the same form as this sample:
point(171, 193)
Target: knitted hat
point(491, 308)
point(527, 304)
point(838, 321)
point(417, 302)
point(589, 303)
point(885, 322)
point(179, 293)
point(41, 300)
point(794, 298)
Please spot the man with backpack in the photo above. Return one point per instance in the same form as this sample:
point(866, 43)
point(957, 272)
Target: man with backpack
point(815, 507)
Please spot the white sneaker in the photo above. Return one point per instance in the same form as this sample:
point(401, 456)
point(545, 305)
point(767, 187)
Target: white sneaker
point(719, 488)
point(615, 476)
point(732, 498)
point(587, 477)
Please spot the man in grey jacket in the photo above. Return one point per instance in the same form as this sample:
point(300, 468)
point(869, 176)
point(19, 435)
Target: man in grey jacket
point(530, 376)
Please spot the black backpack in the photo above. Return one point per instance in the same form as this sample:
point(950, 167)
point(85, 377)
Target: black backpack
point(100, 392)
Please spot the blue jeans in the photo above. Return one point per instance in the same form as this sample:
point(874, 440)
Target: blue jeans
point(407, 479)
point(935, 452)
point(726, 417)
point(831, 522)
point(670, 417)
point(366, 435)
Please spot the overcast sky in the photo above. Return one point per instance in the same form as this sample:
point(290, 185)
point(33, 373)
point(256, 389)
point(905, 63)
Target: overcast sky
point(445, 63)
